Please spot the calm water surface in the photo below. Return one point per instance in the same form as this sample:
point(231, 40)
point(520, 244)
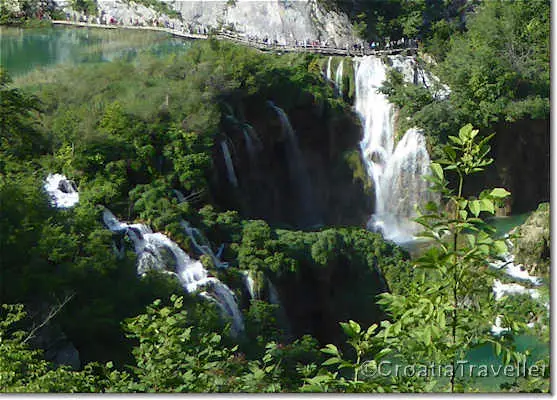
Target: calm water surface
point(23, 50)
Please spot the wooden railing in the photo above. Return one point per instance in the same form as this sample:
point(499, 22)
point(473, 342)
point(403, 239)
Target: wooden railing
point(258, 44)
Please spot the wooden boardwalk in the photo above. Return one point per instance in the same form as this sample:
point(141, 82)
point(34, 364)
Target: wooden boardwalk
point(259, 45)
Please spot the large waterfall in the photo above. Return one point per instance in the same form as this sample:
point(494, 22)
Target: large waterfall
point(157, 251)
point(298, 170)
point(397, 173)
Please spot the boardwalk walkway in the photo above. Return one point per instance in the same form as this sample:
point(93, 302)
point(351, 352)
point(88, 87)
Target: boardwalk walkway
point(260, 45)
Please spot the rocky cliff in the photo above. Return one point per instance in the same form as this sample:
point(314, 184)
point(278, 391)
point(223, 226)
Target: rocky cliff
point(532, 245)
point(268, 188)
point(283, 21)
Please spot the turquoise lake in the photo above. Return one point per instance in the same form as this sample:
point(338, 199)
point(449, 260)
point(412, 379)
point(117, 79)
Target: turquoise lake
point(23, 50)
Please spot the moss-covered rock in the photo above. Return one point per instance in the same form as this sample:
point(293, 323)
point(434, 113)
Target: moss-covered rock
point(532, 243)
point(323, 277)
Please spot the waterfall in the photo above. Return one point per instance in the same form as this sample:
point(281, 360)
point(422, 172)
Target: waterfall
point(63, 192)
point(156, 251)
point(329, 74)
point(253, 144)
point(229, 165)
point(250, 284)
point(298, 170)
point(397, 173)
point(338, 77)
point(194, 234)
point(273, 294)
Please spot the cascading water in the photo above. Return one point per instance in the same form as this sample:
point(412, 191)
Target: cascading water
point(194, 234)
point(298, 170)
point(329, 72)
point(63, 192)
point(253, 144)
point(398, 176)
point(229, 164)
point(157, 251)
point(402, 187)
point(338, 77)
point(250, 284)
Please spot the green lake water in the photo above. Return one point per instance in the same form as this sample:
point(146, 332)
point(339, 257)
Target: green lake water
point(505, 224)
point(24, 50)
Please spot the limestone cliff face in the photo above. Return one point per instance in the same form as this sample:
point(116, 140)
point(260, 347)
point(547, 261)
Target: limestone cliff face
point(286, 21)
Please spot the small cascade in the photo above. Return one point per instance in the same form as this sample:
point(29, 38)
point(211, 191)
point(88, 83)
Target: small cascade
point(496, 328)
point(156, 251)
point(329, 72)
point(273, 294)
point(338, 77)
point(298, 170)
point(253, 143)
point(63, 192)
point(250, 284)
point(229, 164)
point(516, 271)
point(195, 235)
point(397, 173)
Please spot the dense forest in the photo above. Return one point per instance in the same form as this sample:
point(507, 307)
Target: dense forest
point(244, 168)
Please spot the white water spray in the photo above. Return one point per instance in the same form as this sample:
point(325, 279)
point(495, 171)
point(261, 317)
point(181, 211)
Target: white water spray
point(156, 251)
point(253, 143)
point(338, 77)
point(397, 173)
point(229, 164)
point(63, 192)
point(298, 170)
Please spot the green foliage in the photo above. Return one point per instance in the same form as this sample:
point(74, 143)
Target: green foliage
point(88, 7)
point(159, 6)
point(499, 68)
point(446, 317)
point(441, 313)
point(20, 137)
point(497, 71)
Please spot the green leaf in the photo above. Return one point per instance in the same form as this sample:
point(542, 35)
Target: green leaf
point(330, 349)
point(465, 132)
point(474, 207)
point(500, 247)
point(332, 361)
point(499, 193)
point(487, 205)
point(437, 170)
point(497, 348)
point(427, 336)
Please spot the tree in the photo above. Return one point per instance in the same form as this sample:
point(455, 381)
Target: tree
point(446, 309)
point(444, 313)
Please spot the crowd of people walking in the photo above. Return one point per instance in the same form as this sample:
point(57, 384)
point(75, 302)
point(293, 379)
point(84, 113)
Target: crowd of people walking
point(185, 29)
